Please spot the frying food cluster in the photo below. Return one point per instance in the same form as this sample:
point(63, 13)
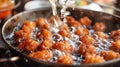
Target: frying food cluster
point(72, 43)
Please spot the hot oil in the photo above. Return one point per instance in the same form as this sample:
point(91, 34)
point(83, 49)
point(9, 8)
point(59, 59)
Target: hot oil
point(59, 22)
point(54, 11)
point(74, 40)
point(101, 44)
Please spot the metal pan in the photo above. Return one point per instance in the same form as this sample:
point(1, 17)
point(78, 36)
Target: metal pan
point(111, 22)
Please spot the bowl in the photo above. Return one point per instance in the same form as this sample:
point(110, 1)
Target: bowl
point(37, 4)
point(7, 7)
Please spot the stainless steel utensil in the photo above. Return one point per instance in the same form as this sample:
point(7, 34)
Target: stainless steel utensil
point(12, 59)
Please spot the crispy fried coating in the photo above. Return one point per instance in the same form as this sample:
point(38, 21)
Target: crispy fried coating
point(28, 45)
point(85, 21)
point(109, 55)
point(44, 55)
point(63, 46)
point(65, 59)
point(86, 48)
point(115, 34)
point(93, 58)
point(115, 46)
point(99, 27)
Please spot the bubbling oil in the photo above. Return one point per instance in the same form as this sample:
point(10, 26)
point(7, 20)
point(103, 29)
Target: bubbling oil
point(74, 40)
point(101, 44)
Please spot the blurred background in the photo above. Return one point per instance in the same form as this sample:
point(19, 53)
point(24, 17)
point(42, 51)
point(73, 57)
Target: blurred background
point(12, 7)
point(97, 5)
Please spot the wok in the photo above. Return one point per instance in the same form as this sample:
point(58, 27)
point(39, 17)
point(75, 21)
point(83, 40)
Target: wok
point(111, 22)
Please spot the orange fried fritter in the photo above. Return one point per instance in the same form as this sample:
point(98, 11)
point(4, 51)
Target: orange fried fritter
point(86, 48)
point(44, 55)
point(115, 34)
point(115, 46)
point(28, 45)
point(64, 33)
point(21, 35)
point(28, 26)
point(88, 39)
point(85, 21)
point(93, 58)
point(82, 32)
point(63, 46)
point(65, 59)
point(99, 27)
point(46, 44)
point(109, 55)
point(102, 35)
point(72, 22)
point(43, 23)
